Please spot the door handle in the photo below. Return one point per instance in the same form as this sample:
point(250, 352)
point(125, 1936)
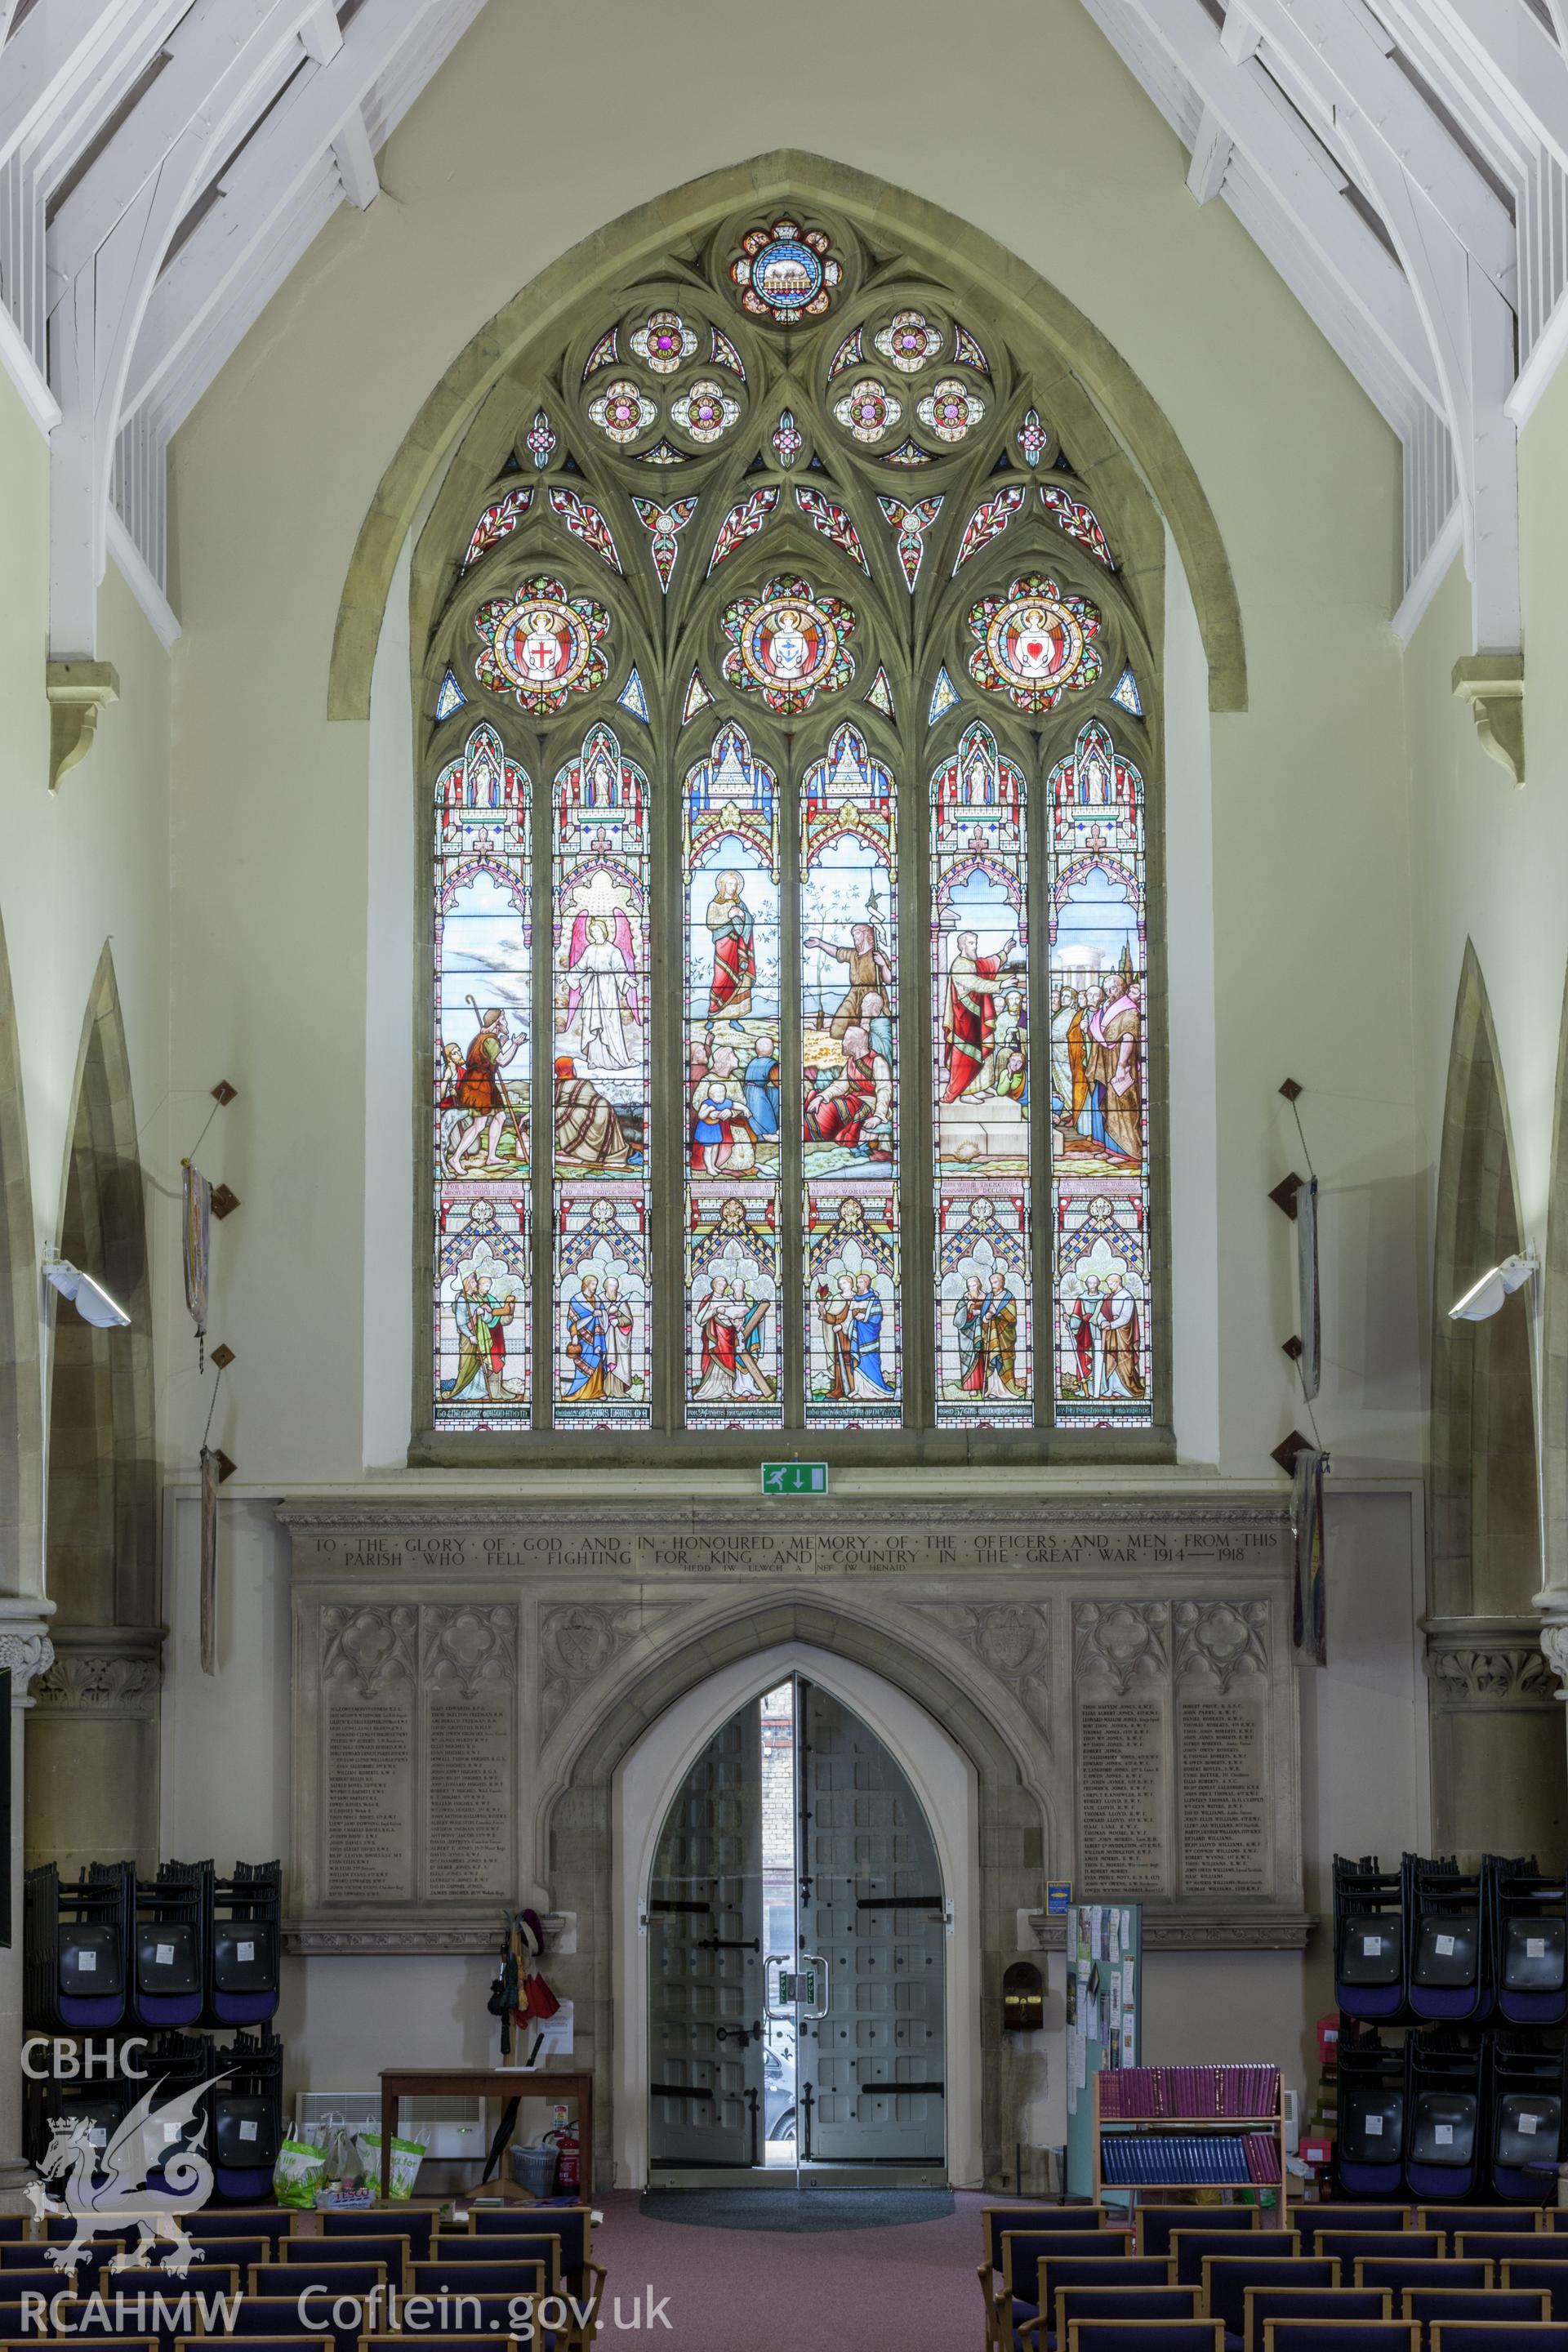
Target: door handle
point(775, 2002)
point(811, 1963)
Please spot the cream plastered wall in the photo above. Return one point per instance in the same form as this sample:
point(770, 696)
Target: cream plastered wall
point(508, 159)
point(1489, 865)
point(84, 867)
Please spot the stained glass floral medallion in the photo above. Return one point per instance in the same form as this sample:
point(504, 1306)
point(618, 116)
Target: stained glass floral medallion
point(744, 519)
point(909, 340)
point(966, 348)
point(584, 521)
point(789, 645)
point(622, 411)
point(868, 409)
point(663, 344)
point(540, 442)
point(951, 410)
point(788, 438)
point(908, 453)
point(705, 411)
point(785, 273)
point(1032, 437)
point(542, 646)
point(663, 453)
point(1034, 645)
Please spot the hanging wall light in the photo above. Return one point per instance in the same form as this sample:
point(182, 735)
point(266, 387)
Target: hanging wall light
point(1484, 1298)
point(91, 1301)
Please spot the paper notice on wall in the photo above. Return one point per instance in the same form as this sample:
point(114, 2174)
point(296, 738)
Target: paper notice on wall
point(1113, 1932)
point(1080, 2060)
point(1096, 1932)
point(1129, 2018)
point(1113, 2010)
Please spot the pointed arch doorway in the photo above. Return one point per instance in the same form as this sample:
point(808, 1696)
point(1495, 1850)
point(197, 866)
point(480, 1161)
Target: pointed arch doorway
point(796, 1962)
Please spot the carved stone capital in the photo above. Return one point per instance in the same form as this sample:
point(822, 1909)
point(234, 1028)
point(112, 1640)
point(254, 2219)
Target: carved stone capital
point(1493, 685)
point(77, 691)
point(1553, 1637)
point(103, 1671)
point(27, 1650)
point(1490, 1661)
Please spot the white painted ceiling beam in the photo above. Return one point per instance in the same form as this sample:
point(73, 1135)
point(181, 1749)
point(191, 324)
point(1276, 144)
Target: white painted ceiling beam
point(198, 53)
point(1504, 44)
point(260, 189)
point(58, 48)
point(1283, 156)
point(356, 165)
point(1336, 57)
point(1212, 151)
point(322, 32)
point(96, 326)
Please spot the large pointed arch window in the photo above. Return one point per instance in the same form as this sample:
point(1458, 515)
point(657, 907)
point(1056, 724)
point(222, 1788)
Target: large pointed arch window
point(793, 1027)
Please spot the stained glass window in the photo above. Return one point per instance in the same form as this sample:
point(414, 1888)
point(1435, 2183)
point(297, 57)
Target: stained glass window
point(830, 720)
point(483, 968)
point(600, 1094)
point(1099, 988)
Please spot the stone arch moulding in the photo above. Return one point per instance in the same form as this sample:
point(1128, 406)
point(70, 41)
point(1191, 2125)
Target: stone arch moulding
point(1554, 1598)
point(92, 1738)
point(1494, 1722)
point(21, 1396)
point(944, 1781)
point(541, 314)
point(1011, 1843)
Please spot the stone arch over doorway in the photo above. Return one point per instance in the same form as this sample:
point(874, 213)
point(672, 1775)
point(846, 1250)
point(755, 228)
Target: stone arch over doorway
point(1497, 1779)
point(1013, 1829)
point(92, 1739)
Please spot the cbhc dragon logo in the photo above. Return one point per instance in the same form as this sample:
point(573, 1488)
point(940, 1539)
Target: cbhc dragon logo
point(104, 2188)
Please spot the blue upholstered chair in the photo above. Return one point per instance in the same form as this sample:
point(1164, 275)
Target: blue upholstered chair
point(1427, 2303)
point(1157, 2224)
point(386, 2247)
point(270, 2280)
point(1192, 2248)
point(574, 2225)
point(1133, 2302)
point(1144, 2336)
point(1340, 2335)
point(1395, 2272)
point(273, 2222)
point(1484, 2336)
point(1274, 2300)
point(1513, 2221)
point(1032, 2280)
point(1311, 2221)
point(1226, 2278)
point(1503, 2246)
point(1535, 2277)
point(1365, 2245)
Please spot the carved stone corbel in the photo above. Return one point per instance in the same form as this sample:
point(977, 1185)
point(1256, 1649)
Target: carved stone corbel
point(1554, 1638)
point(1493, 685)
point(77, 691)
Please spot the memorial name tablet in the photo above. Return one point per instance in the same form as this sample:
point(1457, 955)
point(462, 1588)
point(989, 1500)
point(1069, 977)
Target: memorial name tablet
point(370, 1800)
point(469, 1798)
point(1224, 1817)
point(1121, 1799)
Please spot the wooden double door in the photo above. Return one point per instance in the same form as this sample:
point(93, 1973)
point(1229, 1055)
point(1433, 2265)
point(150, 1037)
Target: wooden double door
point(797, 1945)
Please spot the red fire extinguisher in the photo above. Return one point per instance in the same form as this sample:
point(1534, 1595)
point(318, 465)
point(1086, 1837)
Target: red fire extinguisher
point(569, 2167)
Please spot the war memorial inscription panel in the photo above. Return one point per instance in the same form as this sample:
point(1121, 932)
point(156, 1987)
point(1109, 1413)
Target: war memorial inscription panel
point(451, 1660)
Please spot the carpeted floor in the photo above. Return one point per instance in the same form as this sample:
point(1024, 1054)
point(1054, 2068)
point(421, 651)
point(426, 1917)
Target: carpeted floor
point(796, 2210)
point(883, 2288)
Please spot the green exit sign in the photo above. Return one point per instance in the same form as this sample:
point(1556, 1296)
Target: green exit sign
point(795, 1477)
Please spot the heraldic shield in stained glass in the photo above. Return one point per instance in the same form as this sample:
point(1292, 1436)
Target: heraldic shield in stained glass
point(768, 702)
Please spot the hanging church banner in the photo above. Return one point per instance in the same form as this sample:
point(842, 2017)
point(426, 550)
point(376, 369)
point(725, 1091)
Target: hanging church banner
point(450, 1663)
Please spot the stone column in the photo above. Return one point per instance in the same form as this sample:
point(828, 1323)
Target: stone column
point(92, 1750)
point(26, 1650)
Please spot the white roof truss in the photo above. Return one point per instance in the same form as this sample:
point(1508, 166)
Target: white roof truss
point(165, 164)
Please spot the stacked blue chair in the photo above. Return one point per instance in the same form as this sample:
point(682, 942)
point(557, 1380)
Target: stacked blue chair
point(1370, 2154)
point(246, 2110)
point(168, 1948)
point(1369, 1939)
point(1449, 1972)
point(1524, 2111)
point(244, 1931)
point(1527, 1914)
point(1442, 2158)
point(77, 1949)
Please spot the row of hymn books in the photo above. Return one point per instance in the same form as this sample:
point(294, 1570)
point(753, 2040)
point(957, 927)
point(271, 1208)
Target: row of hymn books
point(1150, 2094)
point(1202, 2160)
